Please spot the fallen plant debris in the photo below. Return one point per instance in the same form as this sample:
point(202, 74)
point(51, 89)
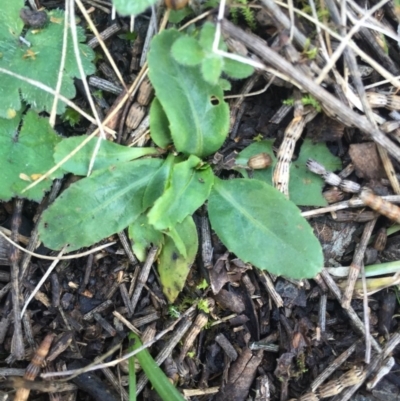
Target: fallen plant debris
point(209, 243)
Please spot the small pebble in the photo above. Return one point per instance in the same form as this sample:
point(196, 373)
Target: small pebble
point(34, 19)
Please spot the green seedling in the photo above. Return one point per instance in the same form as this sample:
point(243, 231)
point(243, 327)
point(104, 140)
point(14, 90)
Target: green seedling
point(71, 116)
point(306, 100)
point(156, 376)
point(156, 198)
point(203, 306)
point(203, 285)
point(246, 12)
point(173, 312)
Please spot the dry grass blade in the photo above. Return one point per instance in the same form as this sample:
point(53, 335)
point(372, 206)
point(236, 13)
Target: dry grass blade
point(336, 108)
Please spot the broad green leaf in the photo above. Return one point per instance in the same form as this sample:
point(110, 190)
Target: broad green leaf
point(159, 125)
point(25, 156)
point(257, 223)
point(98, 206)
point(189, 189)
point(237, 70)
point(197, 113)
point(11, 25)
point(172, 266)
point(160, 181)
point(187, 51)
point(143, 235)
point(132, 7)
point(211, 68)
point(40, 61)
point(305, 188)
point(109, 154)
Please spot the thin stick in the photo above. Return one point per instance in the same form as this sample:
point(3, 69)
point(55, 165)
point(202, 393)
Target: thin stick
point(346, 115)
point(389, 347)
point(345, 41)
point(333, 366)
point(36, 255)
point(78, 59)
point(352, 315)
point(144, 273)
point(53, 92)
point(17, 344)
point(366, 317)
point(357, 263)
point(42, 280)
point(34, 238)
point(101, 42)
point(94, 366)
point(369, 60)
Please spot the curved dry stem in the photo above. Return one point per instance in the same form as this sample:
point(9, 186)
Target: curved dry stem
point(369, 60)
point(53, 92)
point(71, 5)
point(75, 256)
point(101, 42)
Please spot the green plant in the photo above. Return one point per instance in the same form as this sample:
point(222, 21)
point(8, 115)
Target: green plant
point(156, 198)
point(173, 312)
point(306, 100)
point(26, 155)
point(40, 61)
point(27, 141)
point(247, 13)
point(203, 306)
point(71, 116)
point(156, 376)
point(305, 188)
point(203, 285)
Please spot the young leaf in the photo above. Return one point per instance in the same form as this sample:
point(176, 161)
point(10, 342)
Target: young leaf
point(187, 51)
point(40, 61)
point(179, 242)
point(305, 188)
point(26, 155)
point(176, 16)
point(189, 189)
point(160, 181)
point(207, 35)
point(197, 113)
point(174, 267)
point(224, 84)
point(132, 7)
point(211, 68)
point(109, 154)
point(142, 234)
point(97, 206)
point(237, 70)
point(159, 125)
point(257, 223)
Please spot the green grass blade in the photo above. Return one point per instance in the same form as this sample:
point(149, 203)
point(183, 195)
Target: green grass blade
point(156, 376)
